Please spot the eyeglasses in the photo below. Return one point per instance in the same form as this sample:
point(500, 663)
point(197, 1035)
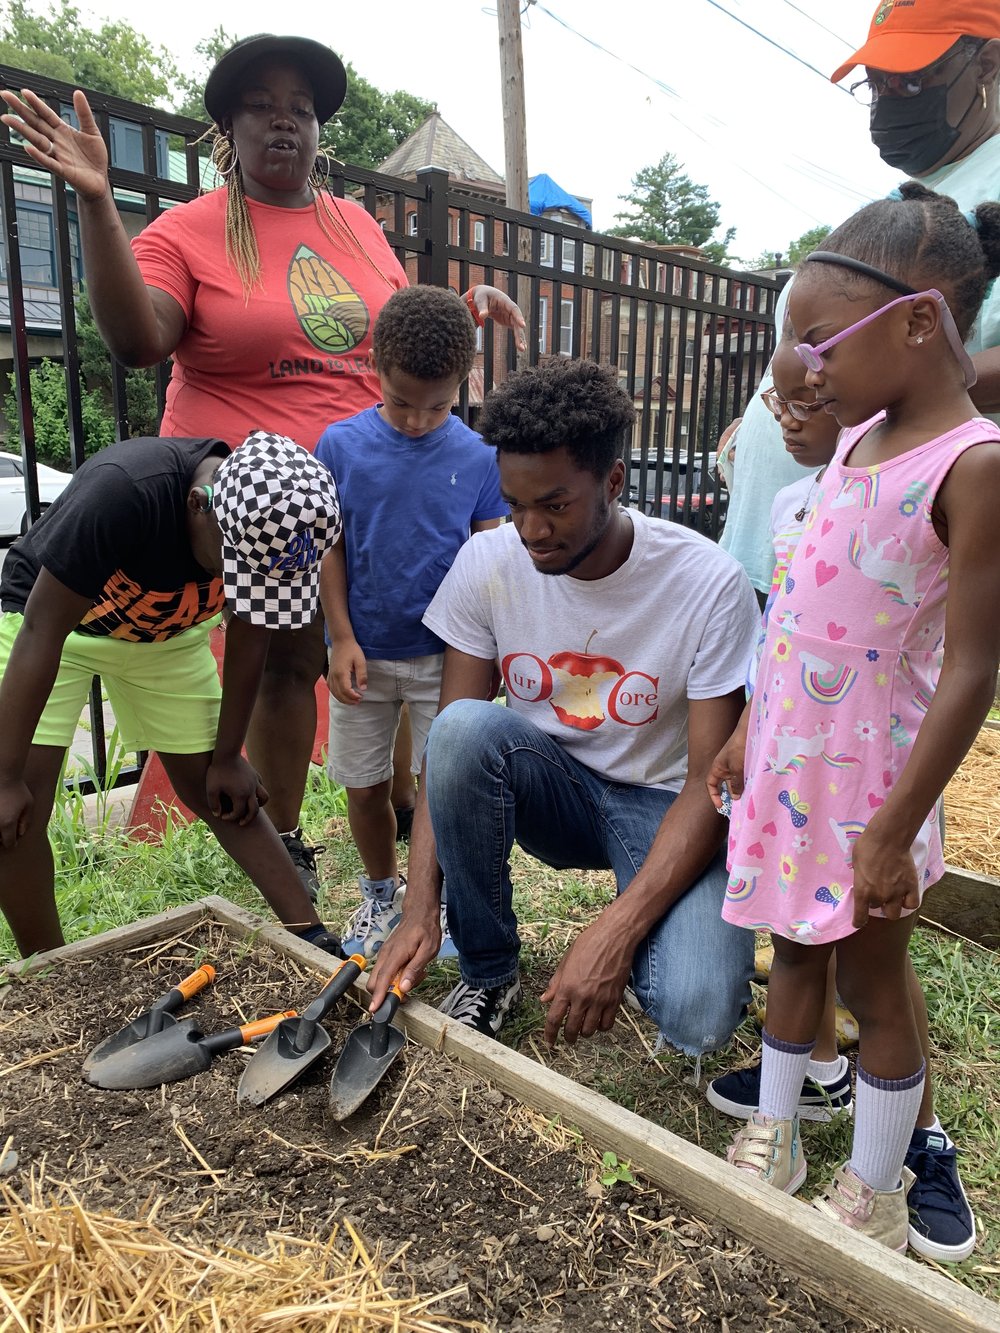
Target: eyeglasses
point(776, 405)
point(812, 356)
point(868, 91)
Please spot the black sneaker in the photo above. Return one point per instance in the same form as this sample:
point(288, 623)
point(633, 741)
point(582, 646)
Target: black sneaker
point(322, 938)
point(404, 823)
point(738, 1094)
point(941, 1223)
point(304, 860)
point(482, 1009)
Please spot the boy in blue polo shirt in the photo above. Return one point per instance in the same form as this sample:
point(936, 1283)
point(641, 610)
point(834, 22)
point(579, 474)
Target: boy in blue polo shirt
point(414, 482)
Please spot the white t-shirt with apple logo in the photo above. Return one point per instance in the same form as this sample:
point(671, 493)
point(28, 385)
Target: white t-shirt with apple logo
point(607, 666)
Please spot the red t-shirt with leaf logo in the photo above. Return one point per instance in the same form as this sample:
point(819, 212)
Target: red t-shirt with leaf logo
point(294, 357)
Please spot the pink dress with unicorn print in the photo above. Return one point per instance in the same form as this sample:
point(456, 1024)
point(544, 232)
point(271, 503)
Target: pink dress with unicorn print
point(848, 670)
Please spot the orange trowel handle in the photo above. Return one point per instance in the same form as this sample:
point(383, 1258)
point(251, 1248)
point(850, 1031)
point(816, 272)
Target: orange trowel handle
point(260, 1027)
point(197, 981)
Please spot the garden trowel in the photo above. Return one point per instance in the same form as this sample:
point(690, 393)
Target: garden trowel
point(367, 1054)
point(296, 1043)
point(174, 1053)
point(159, 1015)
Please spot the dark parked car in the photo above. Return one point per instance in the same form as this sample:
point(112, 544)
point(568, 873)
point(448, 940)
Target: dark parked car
point(686, 508)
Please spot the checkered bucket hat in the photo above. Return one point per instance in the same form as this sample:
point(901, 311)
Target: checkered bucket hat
point(279, 514)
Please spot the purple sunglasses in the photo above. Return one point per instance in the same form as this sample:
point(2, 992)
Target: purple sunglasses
point(812, 356)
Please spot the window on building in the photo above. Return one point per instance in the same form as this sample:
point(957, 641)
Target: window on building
point(623, 348)
point(505, 239)
point(566, 328)
point(36, 230)
point(568, 253)
point(547, 249)
point(479, 235)
point(479, 337)
point(411, 223)
point(543, 325)
point(126, 143)
point(688, 357)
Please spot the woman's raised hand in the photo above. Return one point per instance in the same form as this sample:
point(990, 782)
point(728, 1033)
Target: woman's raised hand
point(79, 157)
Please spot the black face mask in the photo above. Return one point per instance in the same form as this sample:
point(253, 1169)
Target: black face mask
point(912, 134)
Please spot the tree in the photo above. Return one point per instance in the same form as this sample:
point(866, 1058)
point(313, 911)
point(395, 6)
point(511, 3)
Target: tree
point(795, 253)
point(668, 208)
point(113, 58)
point(50, 412)
point(210, 49)
point(809, 240)
point(372, 123)
point(141, 406)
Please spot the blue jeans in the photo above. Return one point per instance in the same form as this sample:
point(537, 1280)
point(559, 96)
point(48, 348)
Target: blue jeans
point(493, 777)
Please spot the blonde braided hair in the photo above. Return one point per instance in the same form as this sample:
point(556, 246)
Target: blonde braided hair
point(241, 240)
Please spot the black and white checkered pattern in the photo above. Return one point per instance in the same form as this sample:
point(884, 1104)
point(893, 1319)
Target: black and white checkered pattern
point(279, 513)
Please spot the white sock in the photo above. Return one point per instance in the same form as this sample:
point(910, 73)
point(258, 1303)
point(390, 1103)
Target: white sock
point(884, 1116)
point(827, 1071)
point(782, 1071)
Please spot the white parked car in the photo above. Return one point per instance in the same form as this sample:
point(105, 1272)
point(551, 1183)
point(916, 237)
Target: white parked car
point(13, 511)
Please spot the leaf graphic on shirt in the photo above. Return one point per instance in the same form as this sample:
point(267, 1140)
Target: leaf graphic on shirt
point(331, 314)
point(575, 697)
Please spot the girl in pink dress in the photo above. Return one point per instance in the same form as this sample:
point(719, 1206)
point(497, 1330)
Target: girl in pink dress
point(863, 707)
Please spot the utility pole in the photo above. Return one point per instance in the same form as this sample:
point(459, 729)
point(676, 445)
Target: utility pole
point(515, 136)
point(512, 98)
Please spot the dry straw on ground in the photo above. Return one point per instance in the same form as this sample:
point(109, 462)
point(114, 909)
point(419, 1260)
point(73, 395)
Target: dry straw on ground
point(972, 809)
point(64, 1268)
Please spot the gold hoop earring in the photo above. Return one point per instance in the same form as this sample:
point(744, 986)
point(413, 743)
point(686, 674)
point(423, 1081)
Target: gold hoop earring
point(224, 142)
point(318, 179)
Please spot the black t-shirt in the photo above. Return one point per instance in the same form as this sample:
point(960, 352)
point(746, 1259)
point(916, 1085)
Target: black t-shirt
point(118, 534)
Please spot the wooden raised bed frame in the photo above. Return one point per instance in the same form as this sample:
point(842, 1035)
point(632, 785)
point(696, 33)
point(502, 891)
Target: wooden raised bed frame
point(850, 1271)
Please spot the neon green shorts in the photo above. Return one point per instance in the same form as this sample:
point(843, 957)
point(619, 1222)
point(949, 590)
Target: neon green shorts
point(165, 696)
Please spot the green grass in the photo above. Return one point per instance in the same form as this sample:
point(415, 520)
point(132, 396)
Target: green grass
point(105, 880)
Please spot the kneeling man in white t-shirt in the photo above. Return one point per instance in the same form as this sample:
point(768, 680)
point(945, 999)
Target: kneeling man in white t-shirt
point(623, 642)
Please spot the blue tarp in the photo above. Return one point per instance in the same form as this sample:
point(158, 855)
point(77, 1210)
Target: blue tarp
point(544, 194)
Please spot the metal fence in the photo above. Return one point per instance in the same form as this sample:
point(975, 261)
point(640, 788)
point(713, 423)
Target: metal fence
point(689, 339)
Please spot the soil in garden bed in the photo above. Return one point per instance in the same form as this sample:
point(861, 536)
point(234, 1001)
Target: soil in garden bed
point(463, 1187)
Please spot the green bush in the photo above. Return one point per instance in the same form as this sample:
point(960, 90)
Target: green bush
point(50, 410)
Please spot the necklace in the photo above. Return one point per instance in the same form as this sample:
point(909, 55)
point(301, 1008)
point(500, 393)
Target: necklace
point(800, 514)
point(345, 237)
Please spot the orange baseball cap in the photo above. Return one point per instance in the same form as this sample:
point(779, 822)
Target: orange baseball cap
point(907, 35)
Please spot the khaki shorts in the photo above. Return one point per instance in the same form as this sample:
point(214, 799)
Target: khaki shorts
point(362, 735)
point(165, 696)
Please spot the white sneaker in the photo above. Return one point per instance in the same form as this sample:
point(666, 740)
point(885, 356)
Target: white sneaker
point(378, 916)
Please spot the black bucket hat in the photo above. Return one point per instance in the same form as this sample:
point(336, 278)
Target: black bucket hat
point(326, 72)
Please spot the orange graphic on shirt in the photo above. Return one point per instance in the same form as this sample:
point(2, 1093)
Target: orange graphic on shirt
point(124, 610)
point(583, 689)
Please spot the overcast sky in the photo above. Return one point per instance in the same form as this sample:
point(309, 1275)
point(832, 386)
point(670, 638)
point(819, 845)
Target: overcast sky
point(779, 147)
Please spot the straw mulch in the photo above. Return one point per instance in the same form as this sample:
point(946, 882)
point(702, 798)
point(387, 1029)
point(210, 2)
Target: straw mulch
point(972, 809)
point(64, 1268)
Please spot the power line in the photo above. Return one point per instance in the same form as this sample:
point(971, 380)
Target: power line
point(829, 31)
point(771, 42)
point(834, 182)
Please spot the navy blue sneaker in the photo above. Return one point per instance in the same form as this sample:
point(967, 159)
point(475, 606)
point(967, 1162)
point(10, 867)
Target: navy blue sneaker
point(941, 1223)
point(738, 1094)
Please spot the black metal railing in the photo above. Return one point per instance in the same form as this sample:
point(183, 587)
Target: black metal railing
point(690, 339)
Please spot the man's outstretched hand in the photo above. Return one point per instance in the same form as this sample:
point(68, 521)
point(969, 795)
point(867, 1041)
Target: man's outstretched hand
point(587, 986)
point(408, 951)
